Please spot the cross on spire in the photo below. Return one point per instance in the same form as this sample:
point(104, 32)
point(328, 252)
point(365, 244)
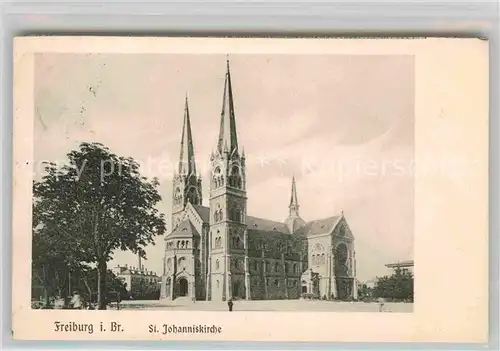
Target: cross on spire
point(187, 163)
point(228, 141)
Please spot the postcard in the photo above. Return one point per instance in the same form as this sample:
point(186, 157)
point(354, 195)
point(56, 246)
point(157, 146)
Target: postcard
point(250, 189)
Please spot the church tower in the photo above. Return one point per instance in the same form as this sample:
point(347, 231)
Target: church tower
point(186, 183)
point(294, 221)
point(228, 207)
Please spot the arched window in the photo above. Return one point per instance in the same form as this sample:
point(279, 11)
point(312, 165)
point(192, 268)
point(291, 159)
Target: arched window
point(235, 215)
point(193, 196)
point(318, 255)
point(217, 284)
point(323, 260)
point(218, 242)
point(177, 196)
point(218, 178)
point(235, 178)
point(217, 265)
point(178, 244)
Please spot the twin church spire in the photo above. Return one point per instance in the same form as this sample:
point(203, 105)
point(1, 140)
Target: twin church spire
point(227, 143)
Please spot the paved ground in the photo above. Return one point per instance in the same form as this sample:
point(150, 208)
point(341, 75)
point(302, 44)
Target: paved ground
point(271, 305)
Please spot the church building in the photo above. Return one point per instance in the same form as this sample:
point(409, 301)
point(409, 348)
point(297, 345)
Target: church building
point(219, 252)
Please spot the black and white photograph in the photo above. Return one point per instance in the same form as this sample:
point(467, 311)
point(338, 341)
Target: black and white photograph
point(312, 180)
point(223, 182)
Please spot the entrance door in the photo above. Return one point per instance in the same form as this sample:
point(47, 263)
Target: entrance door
point(304, 289)
point(236, 289)
point(183, 287)
point(167, 288)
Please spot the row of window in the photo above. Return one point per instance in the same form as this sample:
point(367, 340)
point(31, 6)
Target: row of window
point(234, 180)
point(180, 244)
point(276, 267)
point(235, 215)
point(256, 265)
point(144, 281)
point(318, 259)
point(181, 262)
point(236, 263)
point(282, 247)
point(277, 283)
point(236, 242)
point(192, 196)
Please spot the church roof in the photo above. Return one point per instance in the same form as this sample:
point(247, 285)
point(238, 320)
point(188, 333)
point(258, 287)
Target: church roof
point(255, 224)
point(185, 229)
point(203, 211)
point(322, 226)
point(265, 225)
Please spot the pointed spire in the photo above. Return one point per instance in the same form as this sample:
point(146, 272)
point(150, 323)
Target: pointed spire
point(186, 158)
point(294, 203)
point(294, 221)
point(227, 133)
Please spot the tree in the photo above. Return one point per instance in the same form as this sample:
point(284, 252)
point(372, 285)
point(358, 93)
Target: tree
point(95, 204)
point(398, 286)
point(115, 286)
point(52, 263)
point(364, 291)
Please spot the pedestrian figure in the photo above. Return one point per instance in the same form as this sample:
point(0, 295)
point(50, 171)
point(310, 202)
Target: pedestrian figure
point(230, 305)
point(381, 303)
point(76, 301)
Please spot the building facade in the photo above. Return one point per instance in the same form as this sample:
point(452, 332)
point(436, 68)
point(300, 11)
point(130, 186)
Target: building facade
point(219, 251)
point(139, 282)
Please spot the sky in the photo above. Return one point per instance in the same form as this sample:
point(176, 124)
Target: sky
point(343, 125)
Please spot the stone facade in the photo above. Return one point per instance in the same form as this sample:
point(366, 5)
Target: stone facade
point(219, 252)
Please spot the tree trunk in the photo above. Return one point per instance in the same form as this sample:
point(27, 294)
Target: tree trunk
point(102, 270)
point(45, 287)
